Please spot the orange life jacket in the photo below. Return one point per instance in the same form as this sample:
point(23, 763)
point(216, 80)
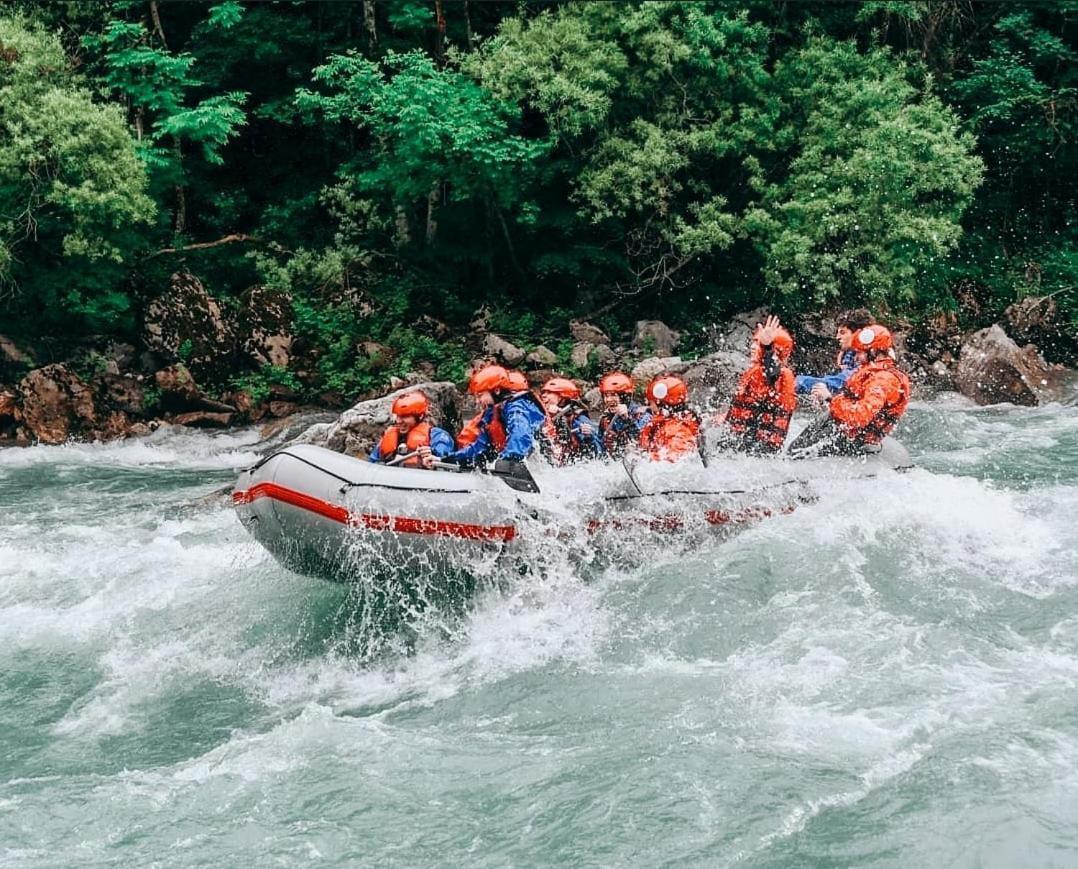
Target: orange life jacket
point(872, 401)
point(760, 411)
point(470, 433)
point(667, 438)
point(418, 437)
point(496, 429)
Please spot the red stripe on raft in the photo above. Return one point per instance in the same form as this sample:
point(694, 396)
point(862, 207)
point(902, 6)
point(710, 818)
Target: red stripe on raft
point(373, 521)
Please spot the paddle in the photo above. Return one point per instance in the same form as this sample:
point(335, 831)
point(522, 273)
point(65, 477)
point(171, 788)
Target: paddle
point(629, 473)
point(515, 475)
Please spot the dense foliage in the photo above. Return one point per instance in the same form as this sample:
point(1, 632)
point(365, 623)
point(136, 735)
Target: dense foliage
point(387, 162)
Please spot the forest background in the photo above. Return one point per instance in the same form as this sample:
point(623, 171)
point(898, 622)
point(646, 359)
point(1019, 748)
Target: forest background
point(392, 166)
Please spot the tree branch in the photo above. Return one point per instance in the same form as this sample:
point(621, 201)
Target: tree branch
point(204, 245)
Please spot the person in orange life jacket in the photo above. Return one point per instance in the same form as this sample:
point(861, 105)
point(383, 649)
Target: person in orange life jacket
point(847, 361)
point(759, 415)
point(510, 423)
point(672, 432)
point(517, 382)
point(623, 419)
point(869, 406)
point(414, 433)
point(569, 434)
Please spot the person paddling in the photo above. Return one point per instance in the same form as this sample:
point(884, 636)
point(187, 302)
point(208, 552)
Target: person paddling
point(759, 415)
point(869, 406)
point(570, 435)
point(510, 422)
point(623, 419)
point(412, 435)
point(517, 382)
point(672, 432)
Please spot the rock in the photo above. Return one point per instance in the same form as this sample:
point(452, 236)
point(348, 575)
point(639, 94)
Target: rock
point(713, 379)
point(186, 324)
point(122, 392)
point(14, 360)
point(655, 337)
point(502, 351)
point(357, 429)
point(993, 369)
point(204, 419)
point(56, 404)
point(585, 354)
point(480, 321)
point(180, 392)
point(8, 404)
point(122, 355)
point(264, 326)
point(280, 409)
point(735, 335)
point(648, 369)
point(115, 426)
point(587, 333)
point(379, 355)
point(541, 357)
point(178, 388)
point(1037, 320)
point(139, 430)
point(428, 325)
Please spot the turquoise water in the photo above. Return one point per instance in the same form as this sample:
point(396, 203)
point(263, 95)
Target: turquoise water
point(888, 677)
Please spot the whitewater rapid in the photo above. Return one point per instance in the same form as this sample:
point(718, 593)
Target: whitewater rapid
point(886, 677)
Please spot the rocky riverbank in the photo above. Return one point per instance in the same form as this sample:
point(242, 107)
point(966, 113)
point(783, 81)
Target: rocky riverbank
point(183, 372)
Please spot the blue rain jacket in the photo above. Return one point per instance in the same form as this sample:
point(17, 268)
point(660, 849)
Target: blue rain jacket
point(521, 418)
point(834, 381)
point(589, 445)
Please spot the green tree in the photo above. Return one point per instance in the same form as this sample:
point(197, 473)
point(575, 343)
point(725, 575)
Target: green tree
point(876, 184)
point(72, 189)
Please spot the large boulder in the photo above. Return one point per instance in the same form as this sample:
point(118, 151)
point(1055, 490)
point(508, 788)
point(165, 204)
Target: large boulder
point(587, 333)
point(655, 337)
point(735, 334)
point(55, 404)
point(713, 379)
point(180, 393)
point(648, 369)
point(994, 369)
point(358, 429)
point(186, 324)
point(502, 351)
point(541, 357)
point(1037, 320)
point(584, 354)
point(264, 326)
point(122, 392)
point(8, 403)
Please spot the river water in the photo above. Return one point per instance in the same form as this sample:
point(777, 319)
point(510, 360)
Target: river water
point(888, 677)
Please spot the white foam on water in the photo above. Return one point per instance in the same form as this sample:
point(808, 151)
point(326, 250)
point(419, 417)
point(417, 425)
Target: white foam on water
point(169, 446)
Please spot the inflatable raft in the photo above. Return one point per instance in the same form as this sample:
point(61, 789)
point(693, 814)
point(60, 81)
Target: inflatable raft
point(337, 517)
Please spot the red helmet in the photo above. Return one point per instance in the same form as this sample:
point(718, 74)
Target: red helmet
point(668, 391)
point(411, 404)
point(616, 382)
point(516, 381)
point(488, 379)
point(561, 386)
point(874, 337)
point(783, 343)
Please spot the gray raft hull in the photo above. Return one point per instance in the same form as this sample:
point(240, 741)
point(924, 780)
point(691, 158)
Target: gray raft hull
point(329, 515)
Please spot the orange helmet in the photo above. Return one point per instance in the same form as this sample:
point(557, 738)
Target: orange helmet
point(561, 386)
point(616, 382)
point(516, 381)
point(411, 404)
point(783, 344)
point(488, 379)
point(874, 337)
point(668, 391)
